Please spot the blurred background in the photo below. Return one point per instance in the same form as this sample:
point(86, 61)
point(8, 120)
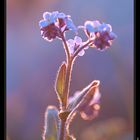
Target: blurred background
point(32, 64)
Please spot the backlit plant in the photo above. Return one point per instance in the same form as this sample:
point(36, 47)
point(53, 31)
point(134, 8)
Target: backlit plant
point(87, 101)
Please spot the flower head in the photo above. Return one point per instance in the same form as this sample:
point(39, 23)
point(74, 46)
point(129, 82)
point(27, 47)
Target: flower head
point(48, 18)
point(55, 23)
point(101, 33)
point(50, 32)
point(74, 44)
point(91, 26)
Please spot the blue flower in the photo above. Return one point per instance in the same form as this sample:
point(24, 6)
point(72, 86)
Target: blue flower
point(101, 33)
point(104, 38)
point(54, 24)
point(70, 25)
point(48, 18)
point(92, 26)
point(74, 44)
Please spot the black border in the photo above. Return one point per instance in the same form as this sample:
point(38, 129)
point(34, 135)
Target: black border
point(136, 71)
point(3, 69)
point(135, 134)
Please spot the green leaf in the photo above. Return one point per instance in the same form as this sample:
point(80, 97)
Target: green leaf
point(60, 80)
point(51, 123)
point(79, 95)
point(51, 138)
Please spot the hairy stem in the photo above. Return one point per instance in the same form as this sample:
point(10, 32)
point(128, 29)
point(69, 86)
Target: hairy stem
point(69, 120)
point(68, 73)
point(62, 131)
point(65, 101)
point(67, 83)
point(66, 47)
point(70, 61)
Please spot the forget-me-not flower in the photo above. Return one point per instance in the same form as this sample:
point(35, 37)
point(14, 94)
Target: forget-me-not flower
point(74, 44)
point(101, 33)
point(54, 24)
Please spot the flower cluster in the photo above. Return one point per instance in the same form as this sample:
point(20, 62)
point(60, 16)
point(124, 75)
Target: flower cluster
point(54, 24)
point(74, 44)
point(101, 34)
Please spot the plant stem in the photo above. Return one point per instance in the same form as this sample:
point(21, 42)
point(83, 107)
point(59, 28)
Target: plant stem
point(70, 60)
point(62, 132)
point(68, 73)
point(67, 83)
point(62, 135)
point(66, 48)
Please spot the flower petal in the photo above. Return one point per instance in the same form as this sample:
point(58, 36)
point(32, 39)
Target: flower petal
point(71, 42)
point(96, 23)
point(61, 15)
point(71, 49)
point(70, 24)
point(78, 40)
point(47, 15)
point(89, 26)
point(105, 27)
point(81, 53)
point(53, 17)
point(112, 35)
point(43, 23)
point(108, 27)
point(55, 14)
